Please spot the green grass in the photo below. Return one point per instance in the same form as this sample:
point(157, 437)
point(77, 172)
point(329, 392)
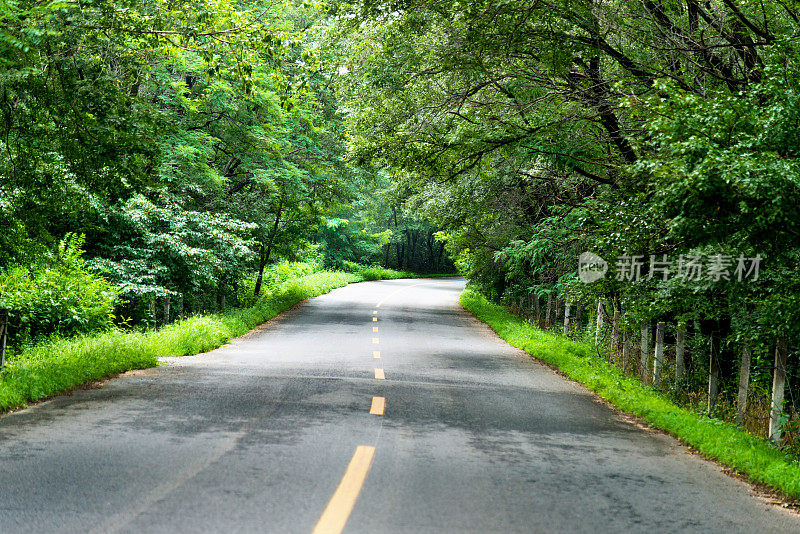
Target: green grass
point(61, 365)
point(753, 457)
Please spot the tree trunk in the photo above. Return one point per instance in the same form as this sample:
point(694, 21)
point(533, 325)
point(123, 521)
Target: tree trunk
point(549, 311)
point(166, 309)
point(680, 340)
point(267, 250)
point(778, 385)
point(412, 249)
point(599, 327)
point(744, 385)
point(429, 242)
point(566, 319)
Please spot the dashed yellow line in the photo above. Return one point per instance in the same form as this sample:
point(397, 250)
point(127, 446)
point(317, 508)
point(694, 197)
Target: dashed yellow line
point(379, 374)
point(337, 512)
point(376, 354)
point(374, 328)
point(375, 340)
point(374, 319)
point(374, 312)
point(378, 405)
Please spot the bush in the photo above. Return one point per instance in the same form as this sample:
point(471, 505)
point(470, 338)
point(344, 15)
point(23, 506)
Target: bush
point(61, 297)
point(275, 275)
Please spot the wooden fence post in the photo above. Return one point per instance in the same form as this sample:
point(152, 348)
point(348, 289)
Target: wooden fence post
point(744, 385)
point(778, 384)
point(659, 354)
point(3, 335)
point(599, 322)
point(549, 310)
point(614, 346)
point(680, 340)
point(626, 350)
point(713, 371)
point(644, 351)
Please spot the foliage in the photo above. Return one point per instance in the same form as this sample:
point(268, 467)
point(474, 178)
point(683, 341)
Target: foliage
point(529, 133)
point(60, 296)
point(190, 145)
point(162, 250)
point(376, 227)
point(348, 241)
point(274, 276)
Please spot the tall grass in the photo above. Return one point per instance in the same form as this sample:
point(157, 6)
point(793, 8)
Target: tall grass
point(60, 365)
point(754, 457)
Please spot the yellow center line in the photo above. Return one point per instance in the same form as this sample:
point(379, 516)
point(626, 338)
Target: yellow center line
point(376, 354)
point(374, 319)
point(374, 312)
point(337, 512)
point(374, 328)
point(378, 405)
point(375, 340)
point(379, 374)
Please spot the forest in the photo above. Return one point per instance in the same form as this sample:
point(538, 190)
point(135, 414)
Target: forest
point(162, 159)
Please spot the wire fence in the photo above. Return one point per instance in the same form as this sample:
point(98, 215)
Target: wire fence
point(757, 387)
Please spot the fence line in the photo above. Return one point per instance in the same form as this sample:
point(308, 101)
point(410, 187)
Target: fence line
point(652, 357)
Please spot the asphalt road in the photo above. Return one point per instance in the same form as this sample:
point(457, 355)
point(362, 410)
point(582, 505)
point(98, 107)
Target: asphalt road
point(273, 433)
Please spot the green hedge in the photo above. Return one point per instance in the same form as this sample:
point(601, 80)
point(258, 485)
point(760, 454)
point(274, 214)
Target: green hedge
point(755, 458)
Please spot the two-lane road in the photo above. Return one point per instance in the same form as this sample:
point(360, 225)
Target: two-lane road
point(383, 405)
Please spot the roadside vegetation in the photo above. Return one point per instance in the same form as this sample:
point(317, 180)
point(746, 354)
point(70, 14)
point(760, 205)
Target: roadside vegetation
point(659, 136)
point(161, 163)
point(59, 364)
point(171, 176)
point(754, 457)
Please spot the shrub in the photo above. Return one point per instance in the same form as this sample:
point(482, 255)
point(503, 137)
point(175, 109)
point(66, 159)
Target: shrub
point(60, 297)
point(274, 275)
